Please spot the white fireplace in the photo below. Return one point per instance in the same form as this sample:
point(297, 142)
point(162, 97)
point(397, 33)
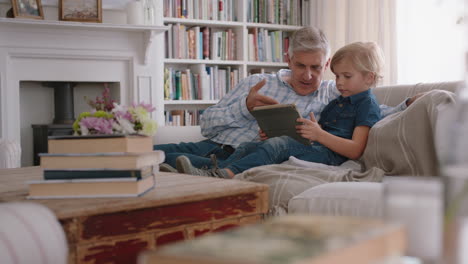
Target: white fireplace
point(32, 52)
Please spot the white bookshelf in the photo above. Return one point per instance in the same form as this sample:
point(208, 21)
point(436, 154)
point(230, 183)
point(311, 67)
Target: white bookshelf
point(190, 102)
point(241, 27)
point(205, 62)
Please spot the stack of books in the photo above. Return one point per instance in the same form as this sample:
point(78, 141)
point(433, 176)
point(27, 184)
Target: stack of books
point(97, 166)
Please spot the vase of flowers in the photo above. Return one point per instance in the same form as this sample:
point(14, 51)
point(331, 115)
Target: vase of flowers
point(109, 117)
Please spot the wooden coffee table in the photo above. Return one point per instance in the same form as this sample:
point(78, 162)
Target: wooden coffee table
point(115, 230)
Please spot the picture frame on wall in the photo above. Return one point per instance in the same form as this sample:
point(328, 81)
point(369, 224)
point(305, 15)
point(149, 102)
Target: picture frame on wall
point(27, 9)
point(80, 10)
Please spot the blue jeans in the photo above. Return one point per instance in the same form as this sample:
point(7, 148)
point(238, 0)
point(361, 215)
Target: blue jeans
point(198, 152)
point(276, 150)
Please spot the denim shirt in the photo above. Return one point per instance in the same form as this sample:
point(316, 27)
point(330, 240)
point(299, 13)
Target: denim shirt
point(343, 114)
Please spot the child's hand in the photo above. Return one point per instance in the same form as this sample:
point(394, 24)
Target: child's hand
point(309, 129)
point(262, 134)
point(414, 98)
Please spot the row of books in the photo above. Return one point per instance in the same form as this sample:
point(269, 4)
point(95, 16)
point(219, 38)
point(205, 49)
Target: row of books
point(211, 84)
point(224, 10)
point(285, 12)
point(265, 45)
point(184, 117)
point(97, 166)
point(196, 42)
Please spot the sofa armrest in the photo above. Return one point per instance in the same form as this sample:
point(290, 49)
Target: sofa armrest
point(173, 134)
point(30, 233)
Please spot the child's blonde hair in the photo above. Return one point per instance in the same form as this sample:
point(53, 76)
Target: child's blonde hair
point(365, 56)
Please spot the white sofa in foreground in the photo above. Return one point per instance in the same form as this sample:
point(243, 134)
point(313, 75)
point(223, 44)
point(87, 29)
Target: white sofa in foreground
point(31, 233)
point(401, 144)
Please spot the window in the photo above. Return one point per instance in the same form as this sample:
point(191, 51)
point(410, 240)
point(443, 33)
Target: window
point(430, 40)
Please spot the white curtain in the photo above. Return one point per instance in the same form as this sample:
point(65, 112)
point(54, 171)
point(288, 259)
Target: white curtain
point(346, 21)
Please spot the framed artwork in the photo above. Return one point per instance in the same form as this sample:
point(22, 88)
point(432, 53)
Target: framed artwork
point(27, 9)
point(80, 10)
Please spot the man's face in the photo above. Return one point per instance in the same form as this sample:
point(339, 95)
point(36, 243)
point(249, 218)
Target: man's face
point(307, 71)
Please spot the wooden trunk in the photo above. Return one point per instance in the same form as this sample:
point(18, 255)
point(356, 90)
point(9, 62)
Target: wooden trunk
point(116, 230)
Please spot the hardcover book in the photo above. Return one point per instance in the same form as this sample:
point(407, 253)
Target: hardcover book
point(68, 174)
point(100, 143)
point(279, 120)
point(108, 160)
point(291, 239)
point(90, 188)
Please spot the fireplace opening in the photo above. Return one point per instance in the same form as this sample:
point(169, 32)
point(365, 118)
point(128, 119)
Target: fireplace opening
point(50, 108)
point(64, 117)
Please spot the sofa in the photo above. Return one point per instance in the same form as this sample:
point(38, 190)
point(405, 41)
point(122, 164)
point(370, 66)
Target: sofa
point(31, 233)
point(10, 154)
point(355, 188)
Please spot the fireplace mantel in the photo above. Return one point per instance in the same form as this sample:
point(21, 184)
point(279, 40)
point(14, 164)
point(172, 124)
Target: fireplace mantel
point(149, 32)
point(42, 50)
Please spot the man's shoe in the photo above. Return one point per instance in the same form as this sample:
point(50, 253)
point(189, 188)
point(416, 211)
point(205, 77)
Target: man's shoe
point(164, 167)
point(184, 165)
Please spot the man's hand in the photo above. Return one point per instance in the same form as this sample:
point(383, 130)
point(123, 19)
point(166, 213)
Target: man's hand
point(412, 99)
point(309, 129)
point(262, 134)
point(255, 99)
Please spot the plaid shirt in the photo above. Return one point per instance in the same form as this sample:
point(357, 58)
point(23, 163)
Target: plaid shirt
point(229, 122)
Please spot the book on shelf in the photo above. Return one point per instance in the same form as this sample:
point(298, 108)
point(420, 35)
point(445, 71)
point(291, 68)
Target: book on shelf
point(90, 188)
point(109, 160)
point(191, 44)
point(177, 117)
point(223, 10)
point(206, 42)
point(279, 120)
point(167, 84)
point(182, 117)
point(69, 174)
point(291, 239)
point(100, 143)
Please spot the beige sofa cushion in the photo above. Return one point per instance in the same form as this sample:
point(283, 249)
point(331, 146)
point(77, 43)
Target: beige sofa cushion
point(403, 143)
point(360, 199)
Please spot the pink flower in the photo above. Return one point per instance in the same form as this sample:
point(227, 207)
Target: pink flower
point(108, 117)
point(104, 103)
point(97, 125)
point(124, 115)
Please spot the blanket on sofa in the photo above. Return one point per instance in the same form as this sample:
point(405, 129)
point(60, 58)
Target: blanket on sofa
point(399, 144)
